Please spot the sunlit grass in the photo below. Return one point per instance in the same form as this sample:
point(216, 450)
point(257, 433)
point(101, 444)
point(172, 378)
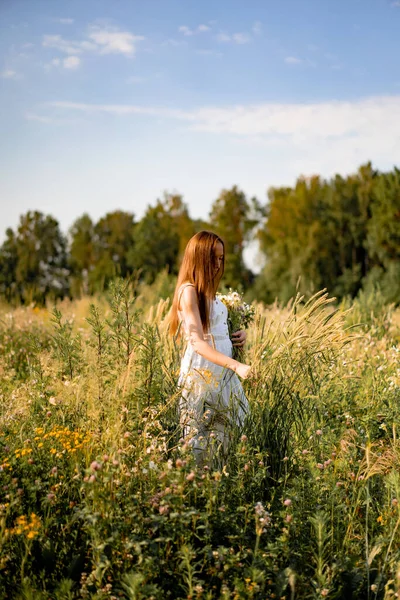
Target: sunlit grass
point(306, 506)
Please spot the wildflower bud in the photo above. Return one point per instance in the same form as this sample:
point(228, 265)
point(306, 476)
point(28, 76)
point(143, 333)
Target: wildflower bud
point(163, 510)
point(95, 466)
point(20, 491)
point(31, 461)
point(261, 463)
point(320, 466)
point(285, 458)
point(339, 483)
point(115, 462)
point(48, 414)
point(179, 463)
point(191, 476)
point(50, 497)
point(288, 518)
point(395, 502)
point(105, 457)
point(92, 478)
point(305, 452)
point(246, 467)
point(126, 434)
point(287, 502)
point(318, 432)
point(324, 592)
point(243, 438)
point(86, 479)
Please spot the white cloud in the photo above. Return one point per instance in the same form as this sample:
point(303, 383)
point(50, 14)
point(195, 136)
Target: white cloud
point(257, 28)
point(320, 136)
point(59, 43)
point(174, 43)
point(9, 74)
point(293, 60)
point(65, 21)
point(241, 38)
point(56, 62)
point(99, 40)
point(223, 37)
point(187, 31)
point(48, 120)
point(236, 38)
point(71, 62)
point(113, 41)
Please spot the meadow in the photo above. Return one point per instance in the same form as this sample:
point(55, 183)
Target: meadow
point(100, 496)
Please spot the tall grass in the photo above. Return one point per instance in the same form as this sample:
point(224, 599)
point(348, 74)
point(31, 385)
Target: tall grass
point(102, 498)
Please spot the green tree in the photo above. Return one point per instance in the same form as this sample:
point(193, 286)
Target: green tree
point(8, 267)
point(157, 243)
point(112, 242)
point(81, 254)
point(234, 218)
point(42, 266)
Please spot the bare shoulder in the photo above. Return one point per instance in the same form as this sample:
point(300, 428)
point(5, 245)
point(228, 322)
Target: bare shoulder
point(187, 295)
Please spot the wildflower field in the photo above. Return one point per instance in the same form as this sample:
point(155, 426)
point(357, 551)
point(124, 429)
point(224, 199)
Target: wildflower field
point(100, 497)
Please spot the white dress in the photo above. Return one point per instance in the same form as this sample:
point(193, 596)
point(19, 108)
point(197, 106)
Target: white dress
point(212, 398)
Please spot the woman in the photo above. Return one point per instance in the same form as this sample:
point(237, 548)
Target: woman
point(212, 398)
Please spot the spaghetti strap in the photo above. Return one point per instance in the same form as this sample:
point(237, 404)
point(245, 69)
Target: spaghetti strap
point(183, 286)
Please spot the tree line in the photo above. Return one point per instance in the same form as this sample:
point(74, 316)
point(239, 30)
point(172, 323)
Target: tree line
point(342, 234)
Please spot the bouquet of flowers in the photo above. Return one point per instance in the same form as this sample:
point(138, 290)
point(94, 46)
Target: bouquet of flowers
point(240, 315)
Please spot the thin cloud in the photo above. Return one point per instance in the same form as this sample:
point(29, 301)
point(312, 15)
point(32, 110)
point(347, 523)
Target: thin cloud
point(396, 4)
point(48, 120)
point(188, 32)
point(71, 62)
point(241, 38)
point(293, 60)
point(257, 28)
point(223, 37)
point(9, 74)
point(99, 40)
point(236, 38)
point(174, 43)
point(335, 118)
point(65, 21)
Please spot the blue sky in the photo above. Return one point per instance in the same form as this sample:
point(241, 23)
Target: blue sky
point(106, 104)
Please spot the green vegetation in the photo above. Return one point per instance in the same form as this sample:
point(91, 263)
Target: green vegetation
point(342, 235)
point(101, 498)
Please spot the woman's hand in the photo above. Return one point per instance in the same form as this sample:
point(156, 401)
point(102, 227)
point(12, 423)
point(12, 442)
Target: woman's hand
point(243, 370)
point(239, 338)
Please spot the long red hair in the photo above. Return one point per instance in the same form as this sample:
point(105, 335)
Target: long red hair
point(198, 268)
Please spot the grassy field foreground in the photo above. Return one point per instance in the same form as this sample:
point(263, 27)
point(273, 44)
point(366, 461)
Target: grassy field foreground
point(100, 498)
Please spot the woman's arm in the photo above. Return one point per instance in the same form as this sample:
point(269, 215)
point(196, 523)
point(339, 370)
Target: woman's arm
point(190, 309)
